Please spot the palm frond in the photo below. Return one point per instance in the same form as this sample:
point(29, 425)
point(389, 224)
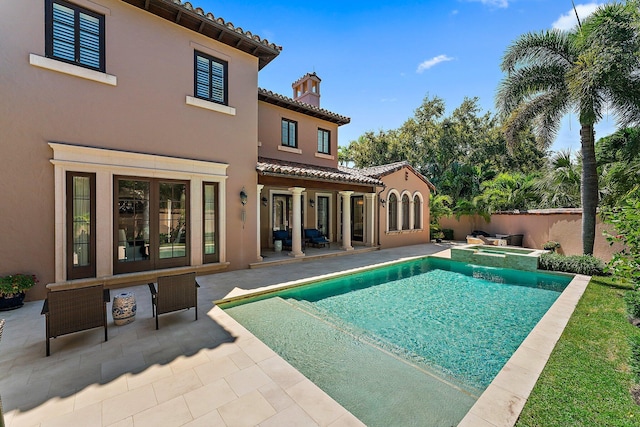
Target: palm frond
point(544, 47)
point(548, 121)
point(528, 81)
point(544, 110)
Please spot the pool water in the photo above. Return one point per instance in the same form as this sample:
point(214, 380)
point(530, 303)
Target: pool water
point(411, 344)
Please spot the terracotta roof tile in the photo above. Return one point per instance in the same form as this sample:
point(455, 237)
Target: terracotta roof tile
point(384, 170)
point(305, 76)
point(188, 6)
point(301, 107)
point(276, 167)
point(195, 19)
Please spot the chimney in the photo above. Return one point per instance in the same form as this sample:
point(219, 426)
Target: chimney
point(307, 89)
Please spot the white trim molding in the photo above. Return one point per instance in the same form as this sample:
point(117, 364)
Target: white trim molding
point(208, 105)
point(72, 70)
point(108, 163)
point(325, 156)
point(289, 149)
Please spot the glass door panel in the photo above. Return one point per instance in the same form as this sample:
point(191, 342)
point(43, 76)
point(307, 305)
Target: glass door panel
point(357, 218)
point(172, 220)
point(323, 215)
point(210, 221)
point(81, 220)
point(282, 214)
point(133, 220)
point(80, 225)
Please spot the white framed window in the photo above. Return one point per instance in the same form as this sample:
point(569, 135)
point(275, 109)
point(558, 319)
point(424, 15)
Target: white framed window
point(210, 80)
point(75, 35)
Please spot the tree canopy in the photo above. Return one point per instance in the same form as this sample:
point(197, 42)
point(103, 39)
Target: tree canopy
point(590, 69)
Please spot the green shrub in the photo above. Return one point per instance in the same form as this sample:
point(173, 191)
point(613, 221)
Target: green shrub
point(577, 264)
point(435, 231)
point(634, 343)
point(551, 245)
point(632, 299)
point(625, 218)
point(448, 233)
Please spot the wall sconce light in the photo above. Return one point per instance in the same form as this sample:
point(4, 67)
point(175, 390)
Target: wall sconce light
point(265, 201)
point(383, 202)
point(312, 203)
point(243, 197)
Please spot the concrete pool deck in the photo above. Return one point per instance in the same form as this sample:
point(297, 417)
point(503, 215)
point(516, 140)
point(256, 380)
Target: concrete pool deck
point(213, 372)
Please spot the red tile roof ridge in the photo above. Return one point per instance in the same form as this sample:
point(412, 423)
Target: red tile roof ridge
point(268, 93)
point(284, 167)
point(198, 10)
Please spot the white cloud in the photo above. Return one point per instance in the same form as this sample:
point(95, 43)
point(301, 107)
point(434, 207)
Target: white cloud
point(432, 62)
point(568, 21)
point(494, 3)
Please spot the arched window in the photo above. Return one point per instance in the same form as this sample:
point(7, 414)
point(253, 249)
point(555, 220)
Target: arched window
point(405, 212)
point(393, 212)
point(417, 212)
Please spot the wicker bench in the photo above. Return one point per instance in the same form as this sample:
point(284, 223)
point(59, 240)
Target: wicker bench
point(75, 310)
point(174, 293)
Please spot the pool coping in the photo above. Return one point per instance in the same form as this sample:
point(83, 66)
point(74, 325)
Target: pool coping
point(501, 403)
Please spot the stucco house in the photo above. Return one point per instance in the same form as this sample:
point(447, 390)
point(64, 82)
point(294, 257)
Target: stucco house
point(136, 143)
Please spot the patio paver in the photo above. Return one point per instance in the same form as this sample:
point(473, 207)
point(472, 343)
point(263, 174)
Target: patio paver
point(210, 372)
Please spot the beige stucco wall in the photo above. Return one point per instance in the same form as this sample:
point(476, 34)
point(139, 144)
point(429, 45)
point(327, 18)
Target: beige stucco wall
point(565, 228)
point(146, 112)
point(270, 134)
point(401, 182)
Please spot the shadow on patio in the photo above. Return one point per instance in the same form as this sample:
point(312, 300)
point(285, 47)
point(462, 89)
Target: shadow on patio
point(211, 370)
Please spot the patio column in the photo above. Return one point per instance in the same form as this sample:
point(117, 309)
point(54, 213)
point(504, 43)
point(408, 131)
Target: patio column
point(296, 230)
point(258, 204)
point(370, 225)
point(346, 220)
point(412, 219)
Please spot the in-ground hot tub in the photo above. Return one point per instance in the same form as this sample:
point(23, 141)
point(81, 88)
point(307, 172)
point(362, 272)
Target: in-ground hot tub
point(498, 256)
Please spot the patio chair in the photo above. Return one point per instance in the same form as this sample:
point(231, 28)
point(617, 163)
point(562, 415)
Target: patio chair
point(315, 237)
point(75, 310)
point(174, 293)
point(282, 235)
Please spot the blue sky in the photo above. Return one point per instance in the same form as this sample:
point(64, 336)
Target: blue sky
point(378, 61)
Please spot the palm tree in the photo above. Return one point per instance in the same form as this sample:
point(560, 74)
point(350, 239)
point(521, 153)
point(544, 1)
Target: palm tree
point(559, 185)
point(508, 191)
point(589, 70)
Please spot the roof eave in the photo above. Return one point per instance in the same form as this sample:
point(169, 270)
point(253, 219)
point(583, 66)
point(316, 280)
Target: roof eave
point(317, 179)
point(217, 29)
point(297, 107)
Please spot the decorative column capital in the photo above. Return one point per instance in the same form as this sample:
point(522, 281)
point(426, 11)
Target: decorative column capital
point(297, 190)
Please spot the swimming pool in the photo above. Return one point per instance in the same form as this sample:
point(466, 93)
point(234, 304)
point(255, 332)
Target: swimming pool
point(411, 344)
point(498, 256)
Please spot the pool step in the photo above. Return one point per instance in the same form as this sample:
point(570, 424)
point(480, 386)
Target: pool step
point(357, 375)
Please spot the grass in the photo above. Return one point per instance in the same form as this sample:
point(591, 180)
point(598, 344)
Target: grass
point(588, 380)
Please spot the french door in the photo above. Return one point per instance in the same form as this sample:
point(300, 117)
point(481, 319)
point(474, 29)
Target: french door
point(357, 218)
point(323, 215)
point(151, 224)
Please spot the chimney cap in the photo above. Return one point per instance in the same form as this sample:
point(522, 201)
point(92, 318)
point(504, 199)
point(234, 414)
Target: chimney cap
point(308, 76)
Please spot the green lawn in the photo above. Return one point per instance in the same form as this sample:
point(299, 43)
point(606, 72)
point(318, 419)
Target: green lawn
point(587, 380)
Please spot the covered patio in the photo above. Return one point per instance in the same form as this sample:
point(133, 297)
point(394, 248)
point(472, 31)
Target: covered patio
point(338, 202)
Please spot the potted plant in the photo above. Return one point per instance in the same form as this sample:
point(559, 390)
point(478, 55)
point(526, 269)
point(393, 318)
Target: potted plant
point(551, 246)
point(12, 288)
